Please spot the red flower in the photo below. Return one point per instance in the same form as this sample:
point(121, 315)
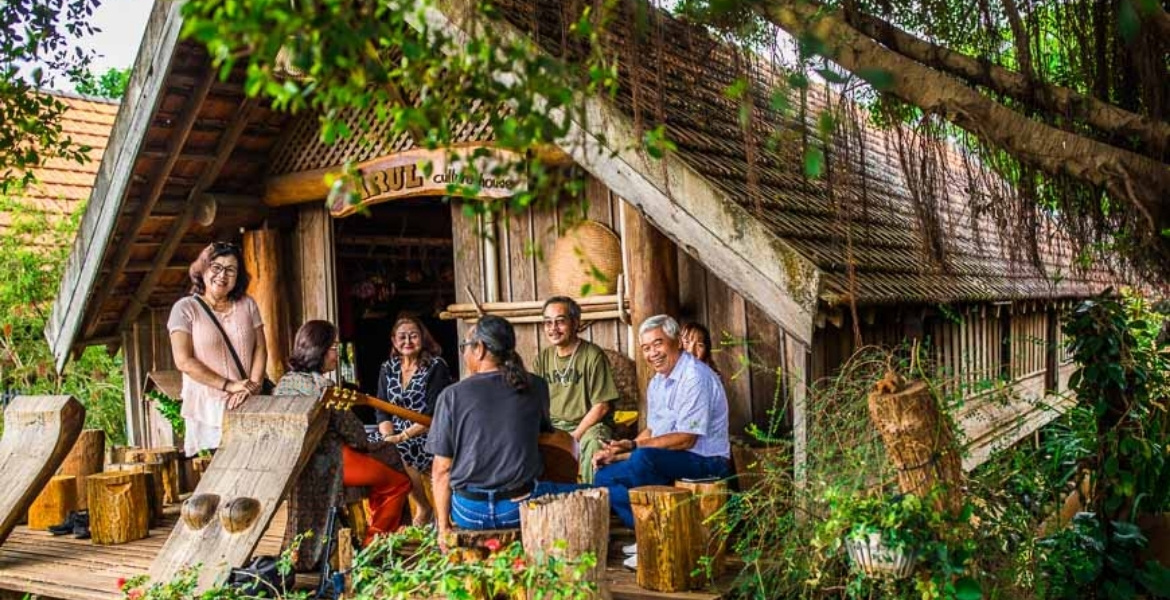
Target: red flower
point(492, 545)
point(121, 583)
point(134, 594)
point(518, 564)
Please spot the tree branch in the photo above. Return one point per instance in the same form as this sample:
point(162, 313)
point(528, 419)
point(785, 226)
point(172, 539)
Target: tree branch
point(1154, 134)
point(1143, 182)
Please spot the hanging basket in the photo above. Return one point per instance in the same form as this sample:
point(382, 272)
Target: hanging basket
point(587, 256)
point(871, 556)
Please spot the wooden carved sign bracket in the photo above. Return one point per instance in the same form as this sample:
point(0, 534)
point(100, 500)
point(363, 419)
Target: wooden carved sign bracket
point(39, 431)
point(266, 443)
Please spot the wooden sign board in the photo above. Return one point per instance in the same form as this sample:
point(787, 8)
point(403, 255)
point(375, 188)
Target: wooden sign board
point(441, 172)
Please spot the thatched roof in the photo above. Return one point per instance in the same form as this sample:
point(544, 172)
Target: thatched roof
point(680, 76)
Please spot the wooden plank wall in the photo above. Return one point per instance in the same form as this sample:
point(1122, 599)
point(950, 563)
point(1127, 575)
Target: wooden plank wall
point(761, 366)
point(146, 347)
point(523, 241)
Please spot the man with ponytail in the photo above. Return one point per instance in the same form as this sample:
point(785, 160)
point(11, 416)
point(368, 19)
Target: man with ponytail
point(485, 435)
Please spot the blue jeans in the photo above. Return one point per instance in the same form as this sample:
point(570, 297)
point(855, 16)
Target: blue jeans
point(654, 466)
point(498, 513)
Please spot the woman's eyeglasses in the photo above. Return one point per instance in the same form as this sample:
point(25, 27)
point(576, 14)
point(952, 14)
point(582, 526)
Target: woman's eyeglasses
point(218, 269)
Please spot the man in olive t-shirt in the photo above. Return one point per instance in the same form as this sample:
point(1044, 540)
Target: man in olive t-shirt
point(580, 383)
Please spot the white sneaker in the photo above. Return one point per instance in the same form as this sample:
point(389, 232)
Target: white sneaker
point(631, 562)
point(630, 550)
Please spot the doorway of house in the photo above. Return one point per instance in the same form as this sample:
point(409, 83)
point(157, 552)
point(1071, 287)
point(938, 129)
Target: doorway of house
point(397, 260)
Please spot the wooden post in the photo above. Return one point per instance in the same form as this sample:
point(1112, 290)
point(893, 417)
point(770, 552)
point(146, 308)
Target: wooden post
point(119, 509)
point(85, 459)
point(262, 259)
point(580, 519)
point(652, 261)
point(670, 537)
point(54, 503)
point(711, 496)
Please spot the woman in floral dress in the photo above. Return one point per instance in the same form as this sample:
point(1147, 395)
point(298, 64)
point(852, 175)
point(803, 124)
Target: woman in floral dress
point(412, 379)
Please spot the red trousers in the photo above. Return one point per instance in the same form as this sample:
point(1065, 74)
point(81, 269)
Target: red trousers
point(389, 489)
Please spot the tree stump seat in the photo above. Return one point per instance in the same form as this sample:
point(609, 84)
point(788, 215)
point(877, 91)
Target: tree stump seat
point(54, 503)
point(154, 488)
point(119, 507)
point(711, 497)
point(670, 537)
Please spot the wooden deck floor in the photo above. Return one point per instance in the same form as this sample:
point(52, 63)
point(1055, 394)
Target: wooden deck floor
point(35, 562)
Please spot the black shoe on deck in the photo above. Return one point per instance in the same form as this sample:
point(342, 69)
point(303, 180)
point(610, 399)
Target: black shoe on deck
point(70, 523)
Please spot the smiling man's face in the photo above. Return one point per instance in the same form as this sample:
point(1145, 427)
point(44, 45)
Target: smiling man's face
point(660, 350)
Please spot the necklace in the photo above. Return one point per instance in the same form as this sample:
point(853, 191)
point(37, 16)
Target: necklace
point(565, 376)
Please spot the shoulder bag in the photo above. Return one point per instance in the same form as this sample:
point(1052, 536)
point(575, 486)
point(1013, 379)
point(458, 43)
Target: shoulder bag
point(267, 386)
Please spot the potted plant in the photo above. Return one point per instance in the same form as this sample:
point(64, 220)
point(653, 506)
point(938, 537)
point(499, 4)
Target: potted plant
point(883, 535)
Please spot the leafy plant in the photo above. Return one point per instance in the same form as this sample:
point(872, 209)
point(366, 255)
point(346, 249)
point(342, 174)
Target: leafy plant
point(410, 565)
point(170, 409)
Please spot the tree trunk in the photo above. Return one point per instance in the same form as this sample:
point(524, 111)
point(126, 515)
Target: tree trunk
point(54, 503)
point(712, 497)
point(262, 257)
point(670, 537)
point(919, 442)
point(119, 508)
point(85, 459)
point(1052, 99)
point(1142, 182)
point(653, 263)
point(580, 519)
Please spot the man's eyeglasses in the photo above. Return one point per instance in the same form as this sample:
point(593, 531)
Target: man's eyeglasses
point(557, 322)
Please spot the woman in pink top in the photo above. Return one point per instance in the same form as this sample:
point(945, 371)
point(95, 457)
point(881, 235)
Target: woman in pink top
point(212, 381)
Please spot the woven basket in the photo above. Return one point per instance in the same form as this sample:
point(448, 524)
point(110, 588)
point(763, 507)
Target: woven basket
point(588, 255)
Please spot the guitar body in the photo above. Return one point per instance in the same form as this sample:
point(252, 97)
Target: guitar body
point(560, 465)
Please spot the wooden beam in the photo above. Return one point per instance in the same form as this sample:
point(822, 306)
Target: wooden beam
point(146, 265)
point(158, 181)
point(223, 150)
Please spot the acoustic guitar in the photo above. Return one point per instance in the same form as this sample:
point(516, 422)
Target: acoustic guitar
point(560, 465)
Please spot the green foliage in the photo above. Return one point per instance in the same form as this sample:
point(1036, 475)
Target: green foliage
point(418, 77)
point(37, 32)
point(111, 84)
point(170, 409)
point(1122, 380)
point(32, 257)
point(409, 565)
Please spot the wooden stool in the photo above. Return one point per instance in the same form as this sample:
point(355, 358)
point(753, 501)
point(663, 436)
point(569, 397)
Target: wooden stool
point(55, 502)
point(169, 478)
point(471, 543)
point(670, 537)
point(119, 507)
point(567, 526)
point(154, 492)
point(359, 517)
point(712, 496)
point(85, 459)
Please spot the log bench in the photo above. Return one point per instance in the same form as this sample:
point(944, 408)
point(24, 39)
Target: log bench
point(54, 503)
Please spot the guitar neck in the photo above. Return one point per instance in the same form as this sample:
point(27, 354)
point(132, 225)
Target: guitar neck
point(350, 397)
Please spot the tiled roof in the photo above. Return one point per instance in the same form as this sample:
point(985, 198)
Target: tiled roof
point(63, 186)
point(681, 76)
